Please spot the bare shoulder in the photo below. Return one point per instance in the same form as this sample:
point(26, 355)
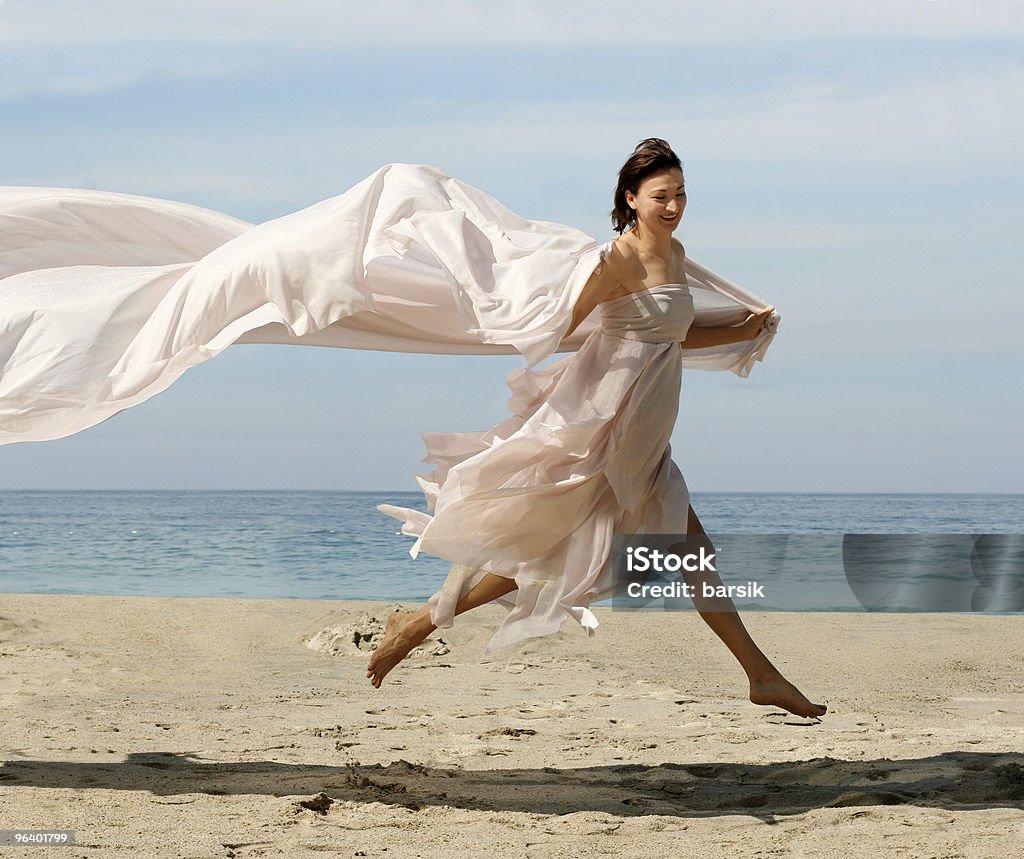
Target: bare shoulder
point(619, 255)
point(623, 252)
point(619, 263)
point(609, 274)
point(677, 246)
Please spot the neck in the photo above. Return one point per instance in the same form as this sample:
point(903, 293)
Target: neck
point(658, 244)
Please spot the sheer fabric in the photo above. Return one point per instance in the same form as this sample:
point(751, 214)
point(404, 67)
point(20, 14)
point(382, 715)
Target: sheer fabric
point(106, 299)
point(584, 454)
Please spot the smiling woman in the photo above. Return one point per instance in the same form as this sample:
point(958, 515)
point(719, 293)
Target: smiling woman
point(106, 299)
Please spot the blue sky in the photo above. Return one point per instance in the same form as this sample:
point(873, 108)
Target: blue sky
point(855, 164)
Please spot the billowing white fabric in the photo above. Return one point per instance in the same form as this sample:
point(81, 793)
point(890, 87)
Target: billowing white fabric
point(106, 299)
point(585, 454)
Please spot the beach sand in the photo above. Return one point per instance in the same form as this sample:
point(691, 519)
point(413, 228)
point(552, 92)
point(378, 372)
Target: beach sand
point(238, 728)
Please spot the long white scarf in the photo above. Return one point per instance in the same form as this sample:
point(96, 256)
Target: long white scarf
point(106, 299)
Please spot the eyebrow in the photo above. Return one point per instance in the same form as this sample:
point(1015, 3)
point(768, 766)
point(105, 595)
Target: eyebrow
point(656, 190)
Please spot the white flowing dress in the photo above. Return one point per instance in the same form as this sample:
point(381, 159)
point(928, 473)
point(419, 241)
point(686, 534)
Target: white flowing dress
point(106, 299)
point(584, 455)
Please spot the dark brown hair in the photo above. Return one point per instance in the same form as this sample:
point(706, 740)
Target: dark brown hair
point(650, 156)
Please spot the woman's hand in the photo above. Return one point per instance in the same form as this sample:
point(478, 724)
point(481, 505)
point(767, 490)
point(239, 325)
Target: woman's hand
point(754, 324)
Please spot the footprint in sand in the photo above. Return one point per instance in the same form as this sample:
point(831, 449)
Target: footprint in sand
point(508, 732)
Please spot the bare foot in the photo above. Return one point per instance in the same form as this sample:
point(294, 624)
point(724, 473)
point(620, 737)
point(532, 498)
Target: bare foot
point(779, 692)
point(401, 635)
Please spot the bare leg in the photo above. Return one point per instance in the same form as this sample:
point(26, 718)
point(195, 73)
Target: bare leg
point(767, 685)
point(405, 630)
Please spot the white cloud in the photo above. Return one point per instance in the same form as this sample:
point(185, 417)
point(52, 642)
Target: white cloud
point(98, 72)
point(968, 124)
point(963, 126)
point(391, 24)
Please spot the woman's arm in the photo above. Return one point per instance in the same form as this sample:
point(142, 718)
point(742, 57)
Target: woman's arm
point(750, 328)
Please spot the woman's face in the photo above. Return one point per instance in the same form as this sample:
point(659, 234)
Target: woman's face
point(660, 200)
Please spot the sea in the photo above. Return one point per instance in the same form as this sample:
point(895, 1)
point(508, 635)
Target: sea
point(838, 552)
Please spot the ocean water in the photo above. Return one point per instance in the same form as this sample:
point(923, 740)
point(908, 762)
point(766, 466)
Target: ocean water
point(336, 545)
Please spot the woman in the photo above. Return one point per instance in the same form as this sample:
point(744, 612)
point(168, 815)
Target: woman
point(106, 299)
point(584, 455)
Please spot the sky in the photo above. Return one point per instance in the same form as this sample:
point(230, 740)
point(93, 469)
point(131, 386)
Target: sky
point(856, 164)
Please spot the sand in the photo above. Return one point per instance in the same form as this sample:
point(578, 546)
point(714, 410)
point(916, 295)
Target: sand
point(238, 728)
